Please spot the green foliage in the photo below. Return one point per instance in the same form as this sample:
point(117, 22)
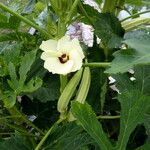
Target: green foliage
point(87, 119)
point(98, 1)
point(134, 99)
point(108, 29)
point(145, 146)
point(17, 83)
point(68, 137)
point(9, 23)
point(106, 120)
point(17, 36)
point(128, 58)
point(137, 2)
point(15, 143)
point(49, 90)
point(133, 106)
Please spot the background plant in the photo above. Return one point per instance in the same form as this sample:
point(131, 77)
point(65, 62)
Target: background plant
point(94, 116)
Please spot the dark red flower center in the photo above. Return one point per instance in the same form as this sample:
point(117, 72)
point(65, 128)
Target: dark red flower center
point(63, 58)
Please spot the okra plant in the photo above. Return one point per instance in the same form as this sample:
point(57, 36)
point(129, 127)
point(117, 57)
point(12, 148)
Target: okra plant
point(74, 75)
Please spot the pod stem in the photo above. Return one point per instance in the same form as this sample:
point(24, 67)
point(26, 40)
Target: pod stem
point(97, 64)
point(48, 133)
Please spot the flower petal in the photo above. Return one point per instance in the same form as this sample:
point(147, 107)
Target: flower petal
point(77, 59)
point(63, 42)
point(49, 45)
point(46, 55)
point(76, 45)
point(52, 64)
point(70, 45)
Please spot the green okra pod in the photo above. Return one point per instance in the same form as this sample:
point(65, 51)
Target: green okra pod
point(84, 86)
point(68, 92)
point(83, 90)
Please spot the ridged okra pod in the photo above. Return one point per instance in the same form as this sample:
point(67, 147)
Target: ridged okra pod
point(84, 86)
point(83, 90)
point(68, 92)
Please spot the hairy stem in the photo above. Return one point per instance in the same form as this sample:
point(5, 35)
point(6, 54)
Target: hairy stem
point(97, 64)
point(109, 6)
point(108, 117)
point(119, 6)
point(17, 128)
point(69, 17)
point(63, 82)
point(47, 134)
point(136, 14)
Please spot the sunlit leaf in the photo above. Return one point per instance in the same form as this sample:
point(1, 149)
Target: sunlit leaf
point(87, 118)
point(133, 106)
point(25, 65)
point(9, 99)
point(128, 58)
point(15, 143)
point(109, 30)
point(68, 137)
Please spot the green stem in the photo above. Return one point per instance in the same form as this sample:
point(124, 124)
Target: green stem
point(60, 32)
point(7, 133)
point(47, 134)
point(8, 117)
point(136, 14)
point(106, 52)
point(120, 4)
point(5, 8)
point(69, 17)
point(108, 117)
point(109, 6)
point(97, 64)
point(63, 82)
point(14, 110)
point(16, 128)
point(61, 28)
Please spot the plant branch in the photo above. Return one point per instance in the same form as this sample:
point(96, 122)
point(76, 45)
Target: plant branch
point(72, 10)
point(120, 4)
point(63, 82)
point(47, 134)
point(108, 117)
point(16, 128)
point(43, 32)
point(136, 14)
point(109, 6)
point(97, 64)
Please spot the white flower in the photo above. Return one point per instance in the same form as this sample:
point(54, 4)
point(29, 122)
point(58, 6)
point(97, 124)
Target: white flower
point(87, 34)
point(62, 56)
point(82, 32)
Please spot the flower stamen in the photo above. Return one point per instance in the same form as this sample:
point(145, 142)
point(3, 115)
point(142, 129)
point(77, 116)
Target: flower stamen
point(63, 58)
